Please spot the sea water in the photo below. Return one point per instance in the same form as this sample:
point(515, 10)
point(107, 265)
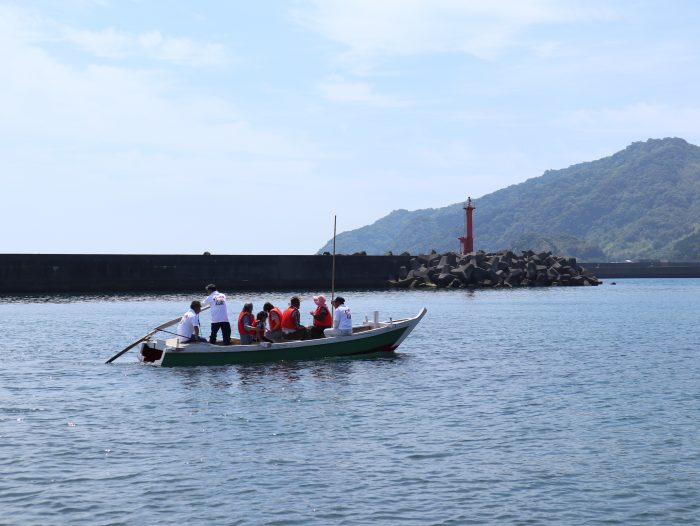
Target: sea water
point(535, 406)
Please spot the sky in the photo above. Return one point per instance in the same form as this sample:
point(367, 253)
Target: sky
point(173, 127)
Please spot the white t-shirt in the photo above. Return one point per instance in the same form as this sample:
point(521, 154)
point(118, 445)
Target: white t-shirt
point(342, 319)
point(217, 300)
point(185, 329)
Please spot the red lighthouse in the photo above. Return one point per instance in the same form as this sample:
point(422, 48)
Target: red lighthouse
point(468, 241)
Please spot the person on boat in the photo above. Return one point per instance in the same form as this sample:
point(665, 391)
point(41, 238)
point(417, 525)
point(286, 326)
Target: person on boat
point(322, 318)
point(342, 319)
point(219, 315)
point(274, 322)
point(260, 320)
point(292, 329)
point(188, 328)
point(246, 324)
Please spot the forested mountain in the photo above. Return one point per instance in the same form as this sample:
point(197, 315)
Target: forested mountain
point(640, 203)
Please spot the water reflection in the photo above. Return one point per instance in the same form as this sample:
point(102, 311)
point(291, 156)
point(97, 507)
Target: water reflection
point(336, 369)
point(192, 377)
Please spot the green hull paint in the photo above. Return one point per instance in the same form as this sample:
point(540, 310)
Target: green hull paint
point(326, 348)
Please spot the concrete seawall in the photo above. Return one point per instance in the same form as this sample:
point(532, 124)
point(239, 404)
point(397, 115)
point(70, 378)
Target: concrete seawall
point(68, 273)
point(75, 273)
point(657, 269)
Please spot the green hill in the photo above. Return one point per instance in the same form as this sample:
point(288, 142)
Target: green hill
point(640, 203)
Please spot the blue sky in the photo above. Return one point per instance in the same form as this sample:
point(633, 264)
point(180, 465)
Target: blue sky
point(244, 127)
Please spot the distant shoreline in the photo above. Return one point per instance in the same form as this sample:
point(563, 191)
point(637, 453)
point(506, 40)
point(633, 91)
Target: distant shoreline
point(96, 273)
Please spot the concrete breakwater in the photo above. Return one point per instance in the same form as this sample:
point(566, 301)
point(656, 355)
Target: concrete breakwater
point(97, 273)
point(646, 269)
point(93, 273)
point(504, 269)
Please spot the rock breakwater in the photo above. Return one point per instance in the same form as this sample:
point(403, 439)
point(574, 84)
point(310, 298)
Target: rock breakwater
point(493, 270)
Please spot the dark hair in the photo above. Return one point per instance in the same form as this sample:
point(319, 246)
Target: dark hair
point(248, 307)
point(195, 304)
point(268, 306)
point(339, 300)
point(295, 301)
point(211, 287)
point(262, 315)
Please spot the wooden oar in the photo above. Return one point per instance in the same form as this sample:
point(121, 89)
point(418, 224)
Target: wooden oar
point(148, 335)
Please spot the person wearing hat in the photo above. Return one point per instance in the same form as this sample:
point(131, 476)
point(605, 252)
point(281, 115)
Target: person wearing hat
point(342, 319)
point(322, 318)
point(219, 315)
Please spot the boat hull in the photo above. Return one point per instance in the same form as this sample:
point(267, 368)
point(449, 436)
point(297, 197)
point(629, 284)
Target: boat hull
point(385, 338)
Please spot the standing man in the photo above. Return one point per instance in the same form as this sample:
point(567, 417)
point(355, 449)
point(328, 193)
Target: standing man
point(188, 328)
point(219, 315)
point(342, 320)
point(292, 329)
point(274, 322)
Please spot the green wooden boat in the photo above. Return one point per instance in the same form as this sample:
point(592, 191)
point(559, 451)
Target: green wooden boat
point(372, 337)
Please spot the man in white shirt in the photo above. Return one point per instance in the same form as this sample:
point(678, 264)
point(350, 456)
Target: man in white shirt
point(188, 328)
point(342, 320)
point(219, 315)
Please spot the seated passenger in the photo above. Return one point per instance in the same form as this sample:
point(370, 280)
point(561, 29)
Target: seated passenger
point(342, 320)
point(322, 318)
point(188, 329)
point(292, 329)
point(260, 327)
point(274, 322)
point(246, 324)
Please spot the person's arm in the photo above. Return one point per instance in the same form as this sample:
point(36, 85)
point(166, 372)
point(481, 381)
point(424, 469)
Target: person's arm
point(195, 326)
point(336, 319)
point(321, 314)
point(248, 322)
point(207, 300)
point(297, 319)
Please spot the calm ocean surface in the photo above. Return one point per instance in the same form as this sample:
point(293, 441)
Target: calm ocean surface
point(539, 406)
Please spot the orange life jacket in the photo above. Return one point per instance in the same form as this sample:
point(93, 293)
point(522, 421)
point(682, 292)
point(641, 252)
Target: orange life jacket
point(288, 318)
point(275, 324)
point(326, 321)
point(253, 323)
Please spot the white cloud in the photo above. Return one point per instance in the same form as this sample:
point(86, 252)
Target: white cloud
point(29, 27)
point(337, 89)
point(48, 102)
point(106, 44)
point(107, 153)
point(414, 27)
point(110, 43)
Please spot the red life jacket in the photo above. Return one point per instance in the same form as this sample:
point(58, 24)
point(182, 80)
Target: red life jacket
point(326, 321)
point(253, 323)
point(275, 324)
point(288, 318)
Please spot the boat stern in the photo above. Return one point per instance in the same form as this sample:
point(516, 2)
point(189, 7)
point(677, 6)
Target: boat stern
point(152, 351)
